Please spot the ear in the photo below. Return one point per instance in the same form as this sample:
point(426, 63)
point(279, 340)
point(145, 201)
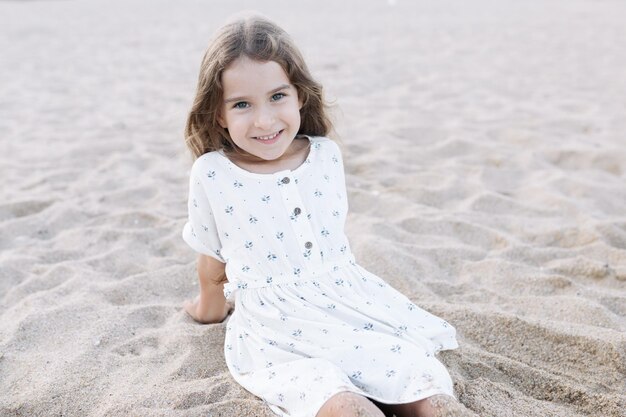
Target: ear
point(221, 121)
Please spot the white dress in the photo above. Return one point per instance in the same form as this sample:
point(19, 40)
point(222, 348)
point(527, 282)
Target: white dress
point(308, 322)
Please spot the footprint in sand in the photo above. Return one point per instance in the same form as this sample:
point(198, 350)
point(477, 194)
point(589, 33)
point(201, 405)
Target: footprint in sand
point(14, 210)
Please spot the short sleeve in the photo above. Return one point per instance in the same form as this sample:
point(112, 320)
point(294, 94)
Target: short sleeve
point(200, 231)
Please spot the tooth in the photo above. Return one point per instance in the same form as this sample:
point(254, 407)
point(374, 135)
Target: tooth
point(268, 137)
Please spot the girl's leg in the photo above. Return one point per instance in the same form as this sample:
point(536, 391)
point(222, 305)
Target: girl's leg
point(349, 404)
point(419, 408)
point(434, 406)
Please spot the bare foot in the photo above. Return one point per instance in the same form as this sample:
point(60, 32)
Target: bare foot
point(202, 313)
point(447, 406)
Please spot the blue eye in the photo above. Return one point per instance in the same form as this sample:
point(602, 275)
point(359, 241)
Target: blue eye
point(278, 96)
point(240, 105)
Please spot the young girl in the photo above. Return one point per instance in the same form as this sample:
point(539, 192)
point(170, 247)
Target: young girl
point(312, 332)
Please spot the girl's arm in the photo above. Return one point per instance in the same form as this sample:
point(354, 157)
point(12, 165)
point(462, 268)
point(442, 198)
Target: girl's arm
point(210, 306)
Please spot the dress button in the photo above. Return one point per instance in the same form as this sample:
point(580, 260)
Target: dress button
point(308, 245)
point(285, 180)
point(297, 211)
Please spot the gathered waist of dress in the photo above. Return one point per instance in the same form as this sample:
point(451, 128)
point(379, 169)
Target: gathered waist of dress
point(244, 280)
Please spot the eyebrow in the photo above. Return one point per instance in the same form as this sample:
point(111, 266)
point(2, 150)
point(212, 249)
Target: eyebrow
point(282, 87)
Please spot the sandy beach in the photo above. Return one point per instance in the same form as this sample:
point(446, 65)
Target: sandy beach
point(485, 153)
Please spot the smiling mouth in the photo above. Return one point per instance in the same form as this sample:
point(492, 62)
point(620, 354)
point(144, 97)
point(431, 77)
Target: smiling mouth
point(268, 137)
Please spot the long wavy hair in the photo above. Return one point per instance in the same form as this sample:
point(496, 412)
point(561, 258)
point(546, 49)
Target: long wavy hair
point(260, 39)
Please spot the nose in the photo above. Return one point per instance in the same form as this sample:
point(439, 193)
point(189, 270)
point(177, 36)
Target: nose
point(264, 119)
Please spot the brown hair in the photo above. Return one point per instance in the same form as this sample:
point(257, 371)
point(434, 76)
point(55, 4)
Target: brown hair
point(259, 39)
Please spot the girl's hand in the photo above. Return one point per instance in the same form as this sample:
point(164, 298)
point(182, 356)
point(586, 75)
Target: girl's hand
point(202, 313)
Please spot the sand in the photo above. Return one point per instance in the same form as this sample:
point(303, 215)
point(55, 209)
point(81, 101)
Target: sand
point(485, 152)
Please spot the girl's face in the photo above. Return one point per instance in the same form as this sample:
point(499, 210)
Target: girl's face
point(260, 109)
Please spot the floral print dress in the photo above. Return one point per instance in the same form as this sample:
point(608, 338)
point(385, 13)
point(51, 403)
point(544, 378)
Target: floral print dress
point(309, 322)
